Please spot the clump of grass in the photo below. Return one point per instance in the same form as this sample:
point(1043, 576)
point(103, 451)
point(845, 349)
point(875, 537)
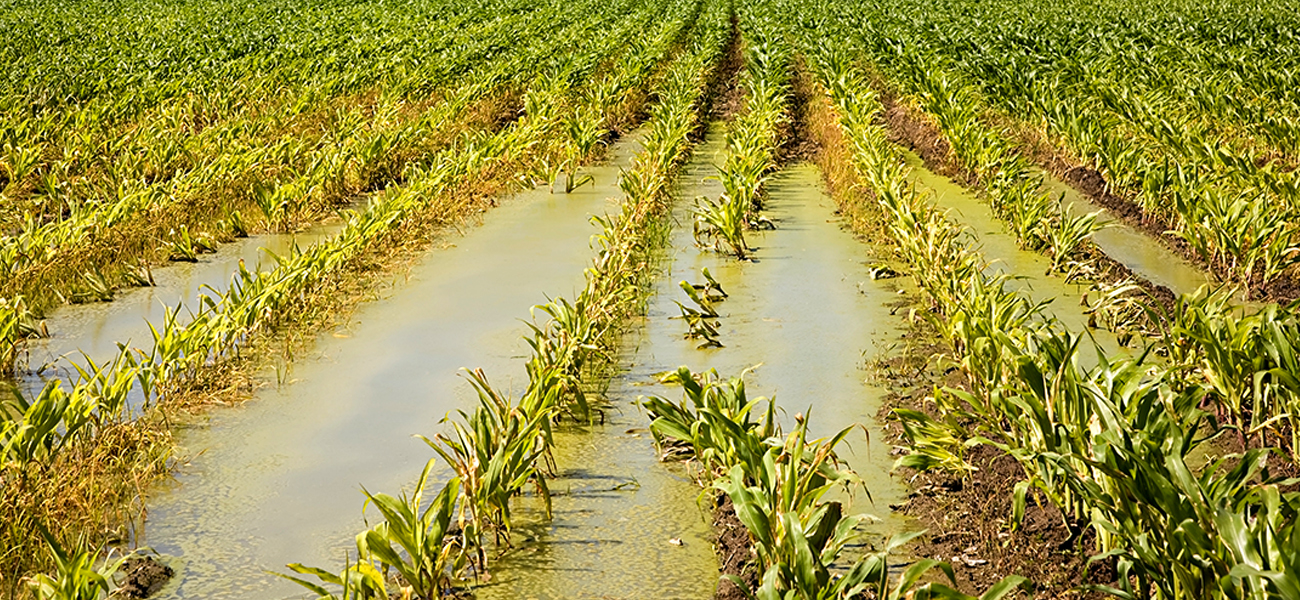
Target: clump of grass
point(83, 495)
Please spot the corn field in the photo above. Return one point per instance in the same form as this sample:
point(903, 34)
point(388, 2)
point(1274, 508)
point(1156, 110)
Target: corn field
point(147, 144)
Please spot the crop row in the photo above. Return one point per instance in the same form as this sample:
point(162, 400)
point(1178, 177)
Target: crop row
point(1108, 444)
point(503, 445)
point(59, 418)
point(284, 178)
point(77, 257)
point(1233, 204)
point(776, 483)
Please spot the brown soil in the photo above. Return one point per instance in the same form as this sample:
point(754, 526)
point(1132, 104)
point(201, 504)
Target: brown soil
point(144, 577)
point(800, 143)
point(732, 545)
point(969, 521)
point(725, 97)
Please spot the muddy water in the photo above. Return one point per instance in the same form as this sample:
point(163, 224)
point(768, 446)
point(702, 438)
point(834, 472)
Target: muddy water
point(278, 480)
point(624, 525)
point(805, 310)
point(1146, 257)
point(96, 329)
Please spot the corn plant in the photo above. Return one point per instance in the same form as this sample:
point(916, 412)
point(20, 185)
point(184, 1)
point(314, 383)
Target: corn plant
point(720, 225)
point(16, 324)
point(76, 575)
point(494, 453)
point(1107, 444)
point(1068, 234)
point(414, 540)
point(701, 297)
point(357, 581)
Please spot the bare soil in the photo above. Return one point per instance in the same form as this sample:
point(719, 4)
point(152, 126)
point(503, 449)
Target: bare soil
point(969, 520)
point(732, 545)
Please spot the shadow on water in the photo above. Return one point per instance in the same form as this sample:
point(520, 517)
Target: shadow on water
point(278, 480)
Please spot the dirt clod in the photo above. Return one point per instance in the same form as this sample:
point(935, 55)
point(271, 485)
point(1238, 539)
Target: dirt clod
point(731, 543)
point(144, 577)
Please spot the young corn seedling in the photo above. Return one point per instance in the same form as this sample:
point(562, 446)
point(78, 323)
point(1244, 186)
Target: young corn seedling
point(495, 453)
point(18, 164)
point(92, 287)
point(236, 224)
point(711, 288)
point(184, 247)
point(76, 575)
point(16, 324)
point(720, 225)
point(715, 424)
point(415, 541)
point(700, 296)
point(700, 327)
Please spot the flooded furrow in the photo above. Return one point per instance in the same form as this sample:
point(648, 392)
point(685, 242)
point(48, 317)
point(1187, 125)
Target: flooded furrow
point(805, 312)
point(623, 523)
point(94, 330)
point(278, 480)
point(623, 526)
point(1144, 256)
point(1028, 270)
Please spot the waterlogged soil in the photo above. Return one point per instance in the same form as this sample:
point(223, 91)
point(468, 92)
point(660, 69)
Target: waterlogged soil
point(1027, 271)
point(1136, 251)
point(1126, 250)
point(279, 480)
point(968, 520)
point(624, 524)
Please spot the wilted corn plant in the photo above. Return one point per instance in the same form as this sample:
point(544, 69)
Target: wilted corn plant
point(16, 324)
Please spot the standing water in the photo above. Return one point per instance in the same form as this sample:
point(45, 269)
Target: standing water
point(805, 311)
point(278, 480)
point(94, 330)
